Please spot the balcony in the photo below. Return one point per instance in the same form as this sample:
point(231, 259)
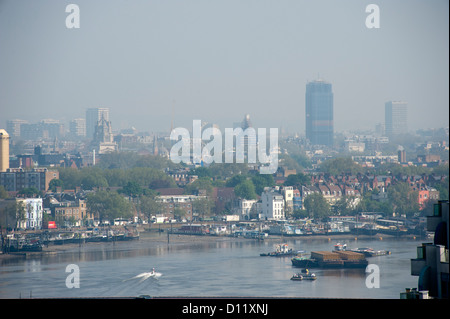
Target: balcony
point(421, 261)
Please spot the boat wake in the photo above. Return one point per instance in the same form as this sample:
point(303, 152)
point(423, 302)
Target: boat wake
point(145, 275)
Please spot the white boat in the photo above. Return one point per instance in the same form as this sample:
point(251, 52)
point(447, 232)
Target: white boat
point(304, 275)
point(280, 250)
point(340, 247)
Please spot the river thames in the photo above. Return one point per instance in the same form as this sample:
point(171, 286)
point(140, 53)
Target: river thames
point(216, 267)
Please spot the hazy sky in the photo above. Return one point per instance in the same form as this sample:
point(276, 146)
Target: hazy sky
point(216, 60)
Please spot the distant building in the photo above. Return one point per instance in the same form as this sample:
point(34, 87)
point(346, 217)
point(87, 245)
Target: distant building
point(77, 128)
point(103, 138)
point(396, 118)
point(45, 129)
point(182, 202)
point(288, 193)
point(247, 208)
point(93, 115)
point(33, 209)
point(297, 200)
point(272, 205)
point(352, 146)
point(14, 180)
point(319, 113)
point(250, 139)
point(14, 127)
point(71, 213)
point(402, 156)
point(4, 150)
point(52, 129)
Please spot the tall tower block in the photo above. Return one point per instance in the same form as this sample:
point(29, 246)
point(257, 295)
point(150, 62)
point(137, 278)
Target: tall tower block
point(4, 150)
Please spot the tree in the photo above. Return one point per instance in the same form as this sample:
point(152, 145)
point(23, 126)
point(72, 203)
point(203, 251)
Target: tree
point(204, 183)
point(442, 187)
point(300, 213)
point(343, 205)
point(403, 199)
point(235, 180)
point(367, 204)
point(341, 165)
point(297, 180)
point(54, 183)
point(3, 193)
point(132, 189)
point(92, 177)
point(245, 190)
point(108, 205)
point(179, 213)
point(71, 177)
point(149, 206)
point(317, 206)
point(262, 180)
point(202, 207)
point(30, 192)
point(12, 214)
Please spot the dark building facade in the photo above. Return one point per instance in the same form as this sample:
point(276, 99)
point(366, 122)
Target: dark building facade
point(319, 113)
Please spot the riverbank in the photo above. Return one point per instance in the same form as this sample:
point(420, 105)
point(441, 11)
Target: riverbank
point(154, 239)
point(146, 239)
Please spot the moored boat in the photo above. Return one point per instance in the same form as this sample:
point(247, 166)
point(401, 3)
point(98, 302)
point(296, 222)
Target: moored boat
point(369, 252)
point(23, 245)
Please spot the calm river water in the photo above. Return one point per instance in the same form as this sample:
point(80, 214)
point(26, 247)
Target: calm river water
point(224, 268)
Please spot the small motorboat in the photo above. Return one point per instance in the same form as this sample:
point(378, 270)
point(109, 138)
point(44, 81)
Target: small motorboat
point(145, 275)
point(304, 275)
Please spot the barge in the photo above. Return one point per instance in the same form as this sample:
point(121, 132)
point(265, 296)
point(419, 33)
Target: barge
point(325, 259)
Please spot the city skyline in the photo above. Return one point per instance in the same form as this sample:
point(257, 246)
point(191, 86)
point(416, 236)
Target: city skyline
point(152, 63)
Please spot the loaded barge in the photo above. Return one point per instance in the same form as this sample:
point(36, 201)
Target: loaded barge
point(337, 259)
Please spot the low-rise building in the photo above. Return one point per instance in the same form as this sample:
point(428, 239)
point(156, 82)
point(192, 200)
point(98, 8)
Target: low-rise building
point(183, 202)
point(33, 213)
point(272, 204)
point(16, 179)
point(288, 193)
point(71, 212)
point(247, 208)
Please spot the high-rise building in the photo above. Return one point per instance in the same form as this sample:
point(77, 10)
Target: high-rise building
point(4, 150)
point(93, 116)
point(14, 127)
point(51, 128)
point(396, 117)
point(319, 113)
point(77, 128)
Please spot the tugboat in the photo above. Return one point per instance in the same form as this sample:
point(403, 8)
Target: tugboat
point(304, 275)
point(340, 247)
point(280, 251)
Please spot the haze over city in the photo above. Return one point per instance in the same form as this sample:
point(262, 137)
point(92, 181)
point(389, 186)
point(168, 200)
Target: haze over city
point(219, 60)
